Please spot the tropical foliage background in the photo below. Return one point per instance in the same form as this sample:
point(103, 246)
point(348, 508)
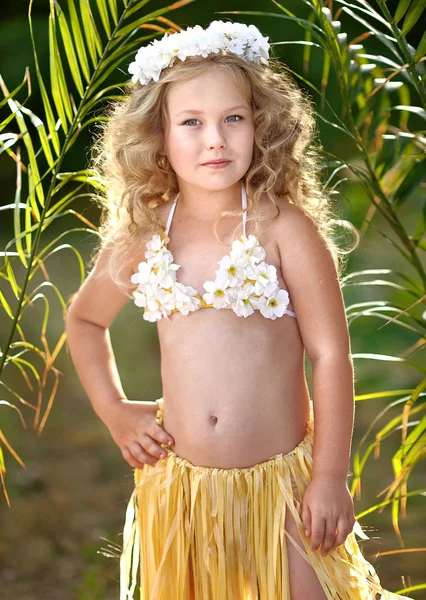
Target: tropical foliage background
point(64, 484)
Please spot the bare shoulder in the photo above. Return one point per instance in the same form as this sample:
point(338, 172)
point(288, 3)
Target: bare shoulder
point(310, 273)
point(101, 297)
point(297, 235)
point(290, 215)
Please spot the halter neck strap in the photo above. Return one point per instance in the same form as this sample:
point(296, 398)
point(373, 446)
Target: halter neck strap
point(243, 202)
point(171, 212)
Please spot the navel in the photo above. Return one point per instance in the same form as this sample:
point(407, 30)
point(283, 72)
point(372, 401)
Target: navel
point(213, 419)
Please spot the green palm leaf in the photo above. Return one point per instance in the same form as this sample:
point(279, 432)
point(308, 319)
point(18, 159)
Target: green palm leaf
point(89, 56)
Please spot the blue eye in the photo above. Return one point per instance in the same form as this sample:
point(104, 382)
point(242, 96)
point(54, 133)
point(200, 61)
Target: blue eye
point(189, 120)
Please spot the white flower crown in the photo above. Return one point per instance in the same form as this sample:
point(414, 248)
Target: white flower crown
point(243, 40)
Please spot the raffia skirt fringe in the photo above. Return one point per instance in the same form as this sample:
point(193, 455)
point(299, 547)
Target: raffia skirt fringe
point(231, 522)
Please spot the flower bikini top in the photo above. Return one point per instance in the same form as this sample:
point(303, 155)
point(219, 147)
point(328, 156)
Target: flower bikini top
point(244, 281)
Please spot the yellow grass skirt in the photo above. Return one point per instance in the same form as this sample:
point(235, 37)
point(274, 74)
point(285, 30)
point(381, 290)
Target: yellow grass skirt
point(231, 523)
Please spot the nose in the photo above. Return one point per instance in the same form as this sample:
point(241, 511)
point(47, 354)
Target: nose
point(215, 139)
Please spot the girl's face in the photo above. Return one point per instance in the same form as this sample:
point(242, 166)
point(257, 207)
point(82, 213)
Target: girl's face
point(209, 119)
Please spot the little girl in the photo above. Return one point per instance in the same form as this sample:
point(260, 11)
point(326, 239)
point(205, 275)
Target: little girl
point(213, 202)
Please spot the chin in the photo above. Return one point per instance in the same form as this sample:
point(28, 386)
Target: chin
point(214, 183)
point(219, 185)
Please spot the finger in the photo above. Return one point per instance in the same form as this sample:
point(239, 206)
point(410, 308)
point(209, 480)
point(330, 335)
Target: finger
point(318, 529)
point(150, 446)
point(128, 457)
point(141, 454)
point(161, 436)
point(306, 518)
point(329, 535)
point(344, 528)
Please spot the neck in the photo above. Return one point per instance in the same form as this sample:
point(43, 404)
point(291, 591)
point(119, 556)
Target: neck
point(200, 204)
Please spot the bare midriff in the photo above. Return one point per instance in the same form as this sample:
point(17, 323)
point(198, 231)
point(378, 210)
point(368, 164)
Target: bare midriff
point(238, 403)
point(234, 388)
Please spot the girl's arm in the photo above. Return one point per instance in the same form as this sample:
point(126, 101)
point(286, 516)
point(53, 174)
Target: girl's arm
point(132, 424)
point(308, 269)
point(309, 272)
point(94, 361)
point(93, 310)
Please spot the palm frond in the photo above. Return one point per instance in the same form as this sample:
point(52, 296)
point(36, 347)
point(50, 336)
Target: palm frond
point(82, 57)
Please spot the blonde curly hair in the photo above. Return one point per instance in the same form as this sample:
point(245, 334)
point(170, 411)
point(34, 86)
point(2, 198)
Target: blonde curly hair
point(137, 178)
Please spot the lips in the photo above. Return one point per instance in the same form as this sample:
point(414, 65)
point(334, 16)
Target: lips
point(217, 162)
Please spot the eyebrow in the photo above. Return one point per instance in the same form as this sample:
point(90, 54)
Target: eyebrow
point(200, 112)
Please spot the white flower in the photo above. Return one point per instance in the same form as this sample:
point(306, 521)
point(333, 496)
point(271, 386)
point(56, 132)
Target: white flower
point(244, 282)
point(159, 306)
point(265, 277)
point(243, 301)
point(143, 274)
point(149, 277)
point(151, 316)
point(152, 311)
point(230, 273)
point(247, 251)
point(140, 298)
point(216, 294)
point(185, 298)
point(275, 306)
point(161, 54)
point(237, 46)
point(165, 272)
point(165, 298)
point(156, 278)
point(237, 38)
point(155, 247)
